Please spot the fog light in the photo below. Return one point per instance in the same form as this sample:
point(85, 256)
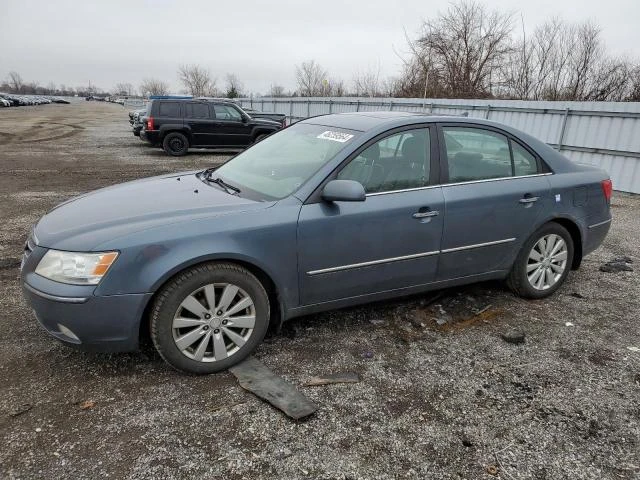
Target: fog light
point(65, 331)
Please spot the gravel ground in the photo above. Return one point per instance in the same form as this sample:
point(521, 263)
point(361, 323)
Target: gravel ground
point(442, 395)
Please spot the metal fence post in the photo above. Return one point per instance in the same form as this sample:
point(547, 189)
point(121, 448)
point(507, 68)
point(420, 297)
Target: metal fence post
point(564, 126)
point(391, 105)
point(357, 105)
point(330, 105)
point(290, 110)
point(251, 102)
point(308, 107)
point(486, 115)
point(262, 105)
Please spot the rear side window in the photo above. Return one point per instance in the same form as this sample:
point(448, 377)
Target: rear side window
point(169, 109)
point(478, 154)
point(524, 163)
point(197, 110)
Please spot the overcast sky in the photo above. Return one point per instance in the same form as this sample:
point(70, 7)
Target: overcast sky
point(77, 42)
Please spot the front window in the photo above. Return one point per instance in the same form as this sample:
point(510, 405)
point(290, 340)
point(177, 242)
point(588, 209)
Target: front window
point(226, 112)
point(277, 166)
point(397, 162)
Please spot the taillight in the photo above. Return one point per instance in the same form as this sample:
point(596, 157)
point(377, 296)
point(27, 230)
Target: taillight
point(607, 188)
point(150, 123)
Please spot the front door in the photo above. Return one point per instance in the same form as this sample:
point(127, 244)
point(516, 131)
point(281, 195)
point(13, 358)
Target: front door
point(231, 129)
point(494, 194)
point(389, 241)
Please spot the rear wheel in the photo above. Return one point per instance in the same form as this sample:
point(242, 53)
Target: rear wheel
point(209, 318)
point(543, 262)
point(175, 144)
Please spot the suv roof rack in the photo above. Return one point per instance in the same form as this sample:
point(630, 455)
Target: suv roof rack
point(170, 97)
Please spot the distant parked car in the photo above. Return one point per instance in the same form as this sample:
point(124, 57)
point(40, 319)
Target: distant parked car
point(4, 103)
point(331, 212)
point(180, 124)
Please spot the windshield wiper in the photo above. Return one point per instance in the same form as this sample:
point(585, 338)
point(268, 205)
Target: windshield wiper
point(224, 185)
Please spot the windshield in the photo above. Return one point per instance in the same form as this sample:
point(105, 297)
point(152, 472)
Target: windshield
point(277, 166)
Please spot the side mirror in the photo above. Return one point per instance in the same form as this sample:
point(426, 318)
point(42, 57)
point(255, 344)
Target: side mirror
point(245, 119)
point(343, 191)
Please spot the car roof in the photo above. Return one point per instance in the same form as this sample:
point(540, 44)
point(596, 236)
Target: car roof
point(377, 122)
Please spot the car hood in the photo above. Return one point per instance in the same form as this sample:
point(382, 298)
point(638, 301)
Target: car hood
point(265, 121)
point(82, 223)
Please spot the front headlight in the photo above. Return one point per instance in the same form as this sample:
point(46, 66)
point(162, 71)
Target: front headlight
point(75, 268)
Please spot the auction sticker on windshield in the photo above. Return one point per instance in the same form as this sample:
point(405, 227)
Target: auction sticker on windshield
point(336, 136)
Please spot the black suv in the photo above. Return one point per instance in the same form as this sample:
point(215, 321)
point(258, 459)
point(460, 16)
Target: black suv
point(178, 124)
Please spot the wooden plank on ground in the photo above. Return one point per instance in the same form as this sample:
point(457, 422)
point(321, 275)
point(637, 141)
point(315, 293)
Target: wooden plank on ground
point(254, 376)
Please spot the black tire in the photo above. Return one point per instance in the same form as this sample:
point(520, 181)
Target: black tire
point(171, 296)
point(175, 144)
point(518, 281)
point(260, 137)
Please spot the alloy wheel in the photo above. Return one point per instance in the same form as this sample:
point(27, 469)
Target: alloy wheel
point(547, 261)
point(213, 322)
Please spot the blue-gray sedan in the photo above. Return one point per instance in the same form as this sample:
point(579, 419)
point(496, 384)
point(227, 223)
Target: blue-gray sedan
point(333, 211)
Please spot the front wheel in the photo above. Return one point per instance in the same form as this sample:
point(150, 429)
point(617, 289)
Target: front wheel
point(260, 137)
point(209, 318)
point(175, 144)
point(543, 262)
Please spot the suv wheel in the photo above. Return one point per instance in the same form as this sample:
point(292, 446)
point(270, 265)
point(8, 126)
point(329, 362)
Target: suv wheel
point(175, 144)
point(209, 318)
point(543, 262)
point(260, 137)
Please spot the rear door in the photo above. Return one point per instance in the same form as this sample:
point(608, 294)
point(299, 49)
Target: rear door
point(231, 129)
point(168, 113)
point(495, 189)
point(198, 117)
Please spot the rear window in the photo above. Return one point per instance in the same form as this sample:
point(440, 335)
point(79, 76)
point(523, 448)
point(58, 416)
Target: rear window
point(169, 109)
point(197, 110)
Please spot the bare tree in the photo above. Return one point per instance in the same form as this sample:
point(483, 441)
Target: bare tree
point(15, 82)
point(234, 86)
point(153, 86)
point(276, 91)
point(124, 89)
point(458, 53)
point(367, 83)
point(466, 45)
point(197, 80)
point(336, 87)
point(312, 79)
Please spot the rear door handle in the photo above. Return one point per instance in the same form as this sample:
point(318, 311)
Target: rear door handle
point(528, 199)
point(426, 213)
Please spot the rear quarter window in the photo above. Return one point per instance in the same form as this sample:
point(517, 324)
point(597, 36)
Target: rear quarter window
point(169, 109)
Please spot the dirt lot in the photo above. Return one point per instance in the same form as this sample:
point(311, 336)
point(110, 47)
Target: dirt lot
point(442, 395)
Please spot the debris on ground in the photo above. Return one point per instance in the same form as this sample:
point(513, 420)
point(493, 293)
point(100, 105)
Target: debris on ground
point(569, 324)
point(633, 349)
point(513, 336)
point(578, 295)
point(87, 404)
point(344, 377)
point(257, 378)
point(24, 408)
point(618, 264)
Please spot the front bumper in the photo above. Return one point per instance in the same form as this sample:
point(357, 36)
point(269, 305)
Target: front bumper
point(105, 324)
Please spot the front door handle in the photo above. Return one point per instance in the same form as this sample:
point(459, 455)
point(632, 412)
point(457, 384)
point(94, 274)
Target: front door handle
point(528, 199)
point(425, 213)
